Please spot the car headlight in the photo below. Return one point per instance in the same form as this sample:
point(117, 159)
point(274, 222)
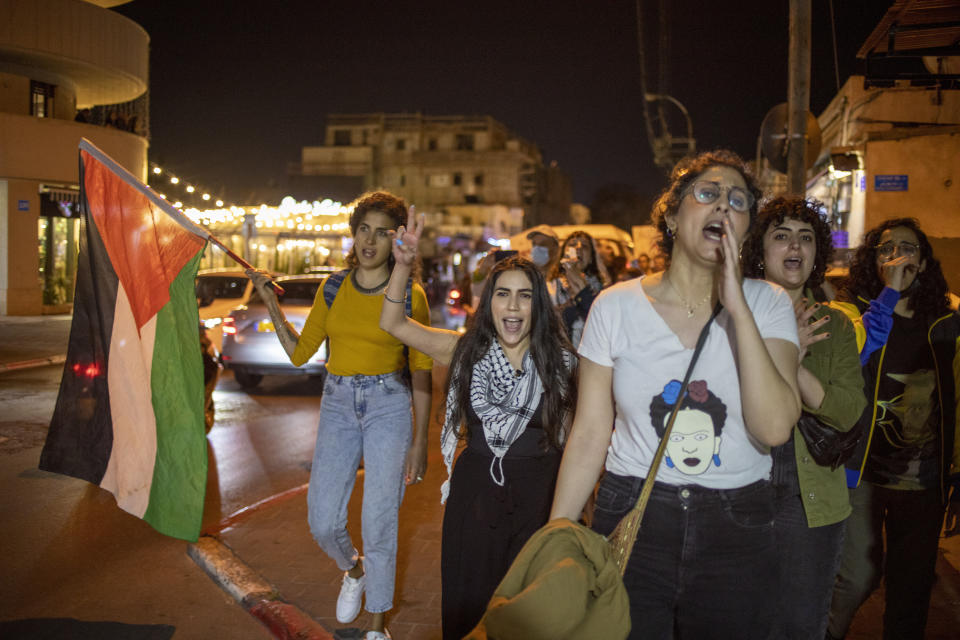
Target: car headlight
point(210, 323)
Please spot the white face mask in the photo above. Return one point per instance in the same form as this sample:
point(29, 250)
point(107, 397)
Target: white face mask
point(540, 255)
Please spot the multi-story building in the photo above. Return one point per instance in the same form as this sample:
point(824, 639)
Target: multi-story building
point(69, 69)
point(470, 171)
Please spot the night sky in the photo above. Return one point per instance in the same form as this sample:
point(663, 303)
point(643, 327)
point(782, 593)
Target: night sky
point(237, 88)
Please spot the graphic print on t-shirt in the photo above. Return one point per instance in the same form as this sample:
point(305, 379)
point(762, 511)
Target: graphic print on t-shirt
point(694, 443)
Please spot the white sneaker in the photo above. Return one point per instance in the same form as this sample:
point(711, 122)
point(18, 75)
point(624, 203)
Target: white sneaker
point(376, 635)
point(350, 598)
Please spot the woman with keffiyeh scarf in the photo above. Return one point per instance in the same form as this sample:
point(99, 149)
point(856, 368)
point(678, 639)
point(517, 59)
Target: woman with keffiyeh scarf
point(510, 398)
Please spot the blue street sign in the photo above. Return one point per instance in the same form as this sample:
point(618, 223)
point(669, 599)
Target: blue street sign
point(890, 182)
point(23, 205)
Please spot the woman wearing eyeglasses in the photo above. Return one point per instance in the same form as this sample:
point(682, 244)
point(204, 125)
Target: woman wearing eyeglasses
point(704, 563)
point(909, 461)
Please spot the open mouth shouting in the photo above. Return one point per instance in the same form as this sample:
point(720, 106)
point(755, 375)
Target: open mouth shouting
point(793, 263)
point(713, 231)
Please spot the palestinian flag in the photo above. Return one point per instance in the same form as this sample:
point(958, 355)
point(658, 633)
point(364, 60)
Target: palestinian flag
point(129, 415)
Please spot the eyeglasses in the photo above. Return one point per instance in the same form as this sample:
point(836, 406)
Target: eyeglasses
point(707, 192)
point(906, 249)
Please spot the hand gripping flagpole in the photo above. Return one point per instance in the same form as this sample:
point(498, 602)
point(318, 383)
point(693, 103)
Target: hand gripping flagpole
point(166, 207)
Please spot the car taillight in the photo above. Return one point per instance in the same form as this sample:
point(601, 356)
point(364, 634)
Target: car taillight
point(228, 326)
point(454, 293)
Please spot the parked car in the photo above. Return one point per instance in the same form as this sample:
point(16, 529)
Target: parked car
point(218, 292)
point(250, 345)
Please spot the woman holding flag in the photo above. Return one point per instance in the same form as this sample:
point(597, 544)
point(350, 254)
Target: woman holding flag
point(365, 411)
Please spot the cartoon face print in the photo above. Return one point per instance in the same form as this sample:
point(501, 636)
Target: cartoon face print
point(692, 444)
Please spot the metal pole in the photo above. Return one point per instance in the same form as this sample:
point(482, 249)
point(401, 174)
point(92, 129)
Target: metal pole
point(798, 96)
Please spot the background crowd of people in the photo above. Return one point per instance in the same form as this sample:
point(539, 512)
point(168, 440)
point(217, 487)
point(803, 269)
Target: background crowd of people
point(559, 387)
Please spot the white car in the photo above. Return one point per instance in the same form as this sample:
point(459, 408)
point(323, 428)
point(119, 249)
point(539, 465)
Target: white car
point(250, 345)
point(218, 292)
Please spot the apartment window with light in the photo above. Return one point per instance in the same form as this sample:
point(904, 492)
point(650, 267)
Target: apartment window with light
point(464, 142)
point(41, 99)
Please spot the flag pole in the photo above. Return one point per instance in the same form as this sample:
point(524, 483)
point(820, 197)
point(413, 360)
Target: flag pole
point(169, 209)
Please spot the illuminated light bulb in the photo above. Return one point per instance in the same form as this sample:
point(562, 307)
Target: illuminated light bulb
point(178, 204)
point(162, 196)
point(174, 180)
point(190, 188)
point(219, 203)
point(326, 227)
point(299, 227)
point(157, 170)
point(205, 196)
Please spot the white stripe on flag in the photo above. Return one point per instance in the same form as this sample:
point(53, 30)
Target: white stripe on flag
point(129, 472)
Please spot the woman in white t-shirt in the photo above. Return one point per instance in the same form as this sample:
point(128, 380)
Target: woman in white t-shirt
point(703, 564)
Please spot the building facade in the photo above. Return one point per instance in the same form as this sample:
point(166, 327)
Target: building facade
point(68, 70)
point(472, 171)
point(891, 152)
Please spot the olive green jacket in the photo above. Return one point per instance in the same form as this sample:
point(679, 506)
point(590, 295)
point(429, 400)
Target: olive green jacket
point(835, 362)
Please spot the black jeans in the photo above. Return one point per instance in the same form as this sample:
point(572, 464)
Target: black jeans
point(808, 557)
point(704, 564)
point(911, 522)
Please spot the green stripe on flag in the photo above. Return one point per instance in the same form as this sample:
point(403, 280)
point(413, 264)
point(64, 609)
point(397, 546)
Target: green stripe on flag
point(176, 380)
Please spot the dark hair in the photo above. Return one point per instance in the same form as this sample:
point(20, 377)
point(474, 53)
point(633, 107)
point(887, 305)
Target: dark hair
point(548, 341)
point(383, 202)
point(705, 401)
point(926, 296)
point(683, 175)
point(773, 213)
point(592, 267)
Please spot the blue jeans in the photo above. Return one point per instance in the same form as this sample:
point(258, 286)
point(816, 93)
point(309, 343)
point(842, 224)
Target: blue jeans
point(704, 563)
point(365, 417)
point(909, 522)
point(808, 557)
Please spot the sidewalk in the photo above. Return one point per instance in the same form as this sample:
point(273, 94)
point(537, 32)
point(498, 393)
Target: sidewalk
point(27, 341)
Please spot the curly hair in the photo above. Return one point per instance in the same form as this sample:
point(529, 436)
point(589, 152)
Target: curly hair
point(683, 175)
point(926, 296)
point(548, 341)
point(773, 213)
point(383, 202)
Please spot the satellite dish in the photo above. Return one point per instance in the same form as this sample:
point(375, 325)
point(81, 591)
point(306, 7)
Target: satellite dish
point(773, 137)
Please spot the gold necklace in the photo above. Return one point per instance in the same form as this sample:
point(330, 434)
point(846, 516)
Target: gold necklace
point(690, 308)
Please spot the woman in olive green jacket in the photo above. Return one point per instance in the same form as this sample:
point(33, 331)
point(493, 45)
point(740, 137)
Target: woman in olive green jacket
point(789, 244)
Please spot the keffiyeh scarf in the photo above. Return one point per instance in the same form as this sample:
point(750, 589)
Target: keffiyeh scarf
point(502, 400)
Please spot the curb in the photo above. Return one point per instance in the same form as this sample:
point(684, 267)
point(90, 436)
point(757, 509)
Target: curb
point(29, 364)
point(257, 596)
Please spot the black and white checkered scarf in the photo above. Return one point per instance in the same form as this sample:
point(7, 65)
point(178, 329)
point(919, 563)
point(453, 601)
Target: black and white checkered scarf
point(504, 402)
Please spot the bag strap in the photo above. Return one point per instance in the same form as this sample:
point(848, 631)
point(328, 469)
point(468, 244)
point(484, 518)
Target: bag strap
point(625, 534)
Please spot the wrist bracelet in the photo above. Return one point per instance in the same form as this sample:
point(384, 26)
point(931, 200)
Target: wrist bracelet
point(389, 299)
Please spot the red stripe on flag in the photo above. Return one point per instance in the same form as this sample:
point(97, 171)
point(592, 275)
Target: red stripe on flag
point(147, 247)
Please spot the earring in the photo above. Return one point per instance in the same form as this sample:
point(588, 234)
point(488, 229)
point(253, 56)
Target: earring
point(716, 459)
point(761, 266)
point(670, 462)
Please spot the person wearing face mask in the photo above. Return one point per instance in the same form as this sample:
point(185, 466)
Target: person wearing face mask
point(545, 249)
point(906, 472)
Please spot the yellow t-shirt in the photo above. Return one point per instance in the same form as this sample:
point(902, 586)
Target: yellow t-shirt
point(358, 346)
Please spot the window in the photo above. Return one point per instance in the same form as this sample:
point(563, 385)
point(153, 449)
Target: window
point(457, 179)
point(432, 144)
point(401, 144)
point(341, 138)
point(403, 180)
point(478, 180)
point(464, 142)
point(41, 99)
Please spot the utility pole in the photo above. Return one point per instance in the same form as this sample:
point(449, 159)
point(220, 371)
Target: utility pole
point(799, 96)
